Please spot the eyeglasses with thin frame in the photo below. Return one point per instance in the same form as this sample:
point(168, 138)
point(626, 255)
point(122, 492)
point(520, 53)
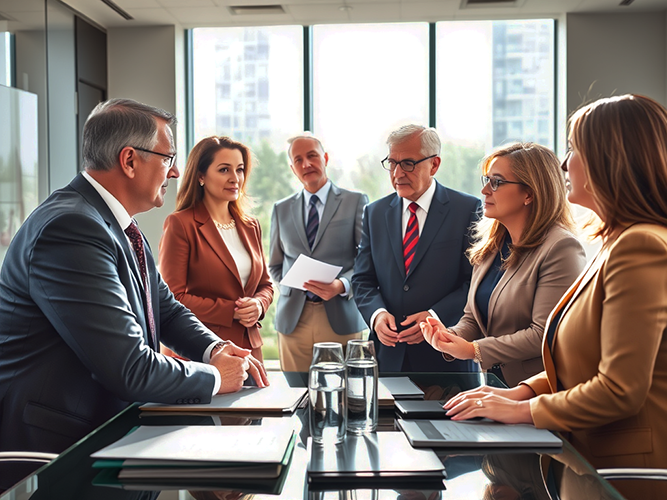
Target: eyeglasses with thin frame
point(406, 165)
point(495, 182)
point(168, 161)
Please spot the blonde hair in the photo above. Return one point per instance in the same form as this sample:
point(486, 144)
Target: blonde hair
point(199, 160)
point(538, 168)
point(622, 142)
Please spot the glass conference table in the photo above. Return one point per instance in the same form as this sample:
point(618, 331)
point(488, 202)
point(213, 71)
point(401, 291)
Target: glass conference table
point(471, 474)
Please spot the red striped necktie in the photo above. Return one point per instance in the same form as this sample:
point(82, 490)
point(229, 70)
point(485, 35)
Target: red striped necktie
point(411, 237)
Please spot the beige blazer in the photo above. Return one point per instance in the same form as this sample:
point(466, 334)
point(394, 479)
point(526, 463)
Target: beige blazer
point(520, 304)
point(610, 355)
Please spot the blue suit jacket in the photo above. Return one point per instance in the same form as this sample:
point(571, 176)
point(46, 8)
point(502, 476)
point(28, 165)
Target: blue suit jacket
point(74, 347)
point(439, 275)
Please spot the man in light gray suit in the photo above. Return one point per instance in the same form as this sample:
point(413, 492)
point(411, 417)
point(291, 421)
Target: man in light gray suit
point(321, 221)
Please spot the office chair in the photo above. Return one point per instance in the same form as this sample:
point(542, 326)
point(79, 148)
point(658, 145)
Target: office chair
point(27, 456)
point(633, 473)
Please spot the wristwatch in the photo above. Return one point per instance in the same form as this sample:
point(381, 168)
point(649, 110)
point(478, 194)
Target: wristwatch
point(218, 346)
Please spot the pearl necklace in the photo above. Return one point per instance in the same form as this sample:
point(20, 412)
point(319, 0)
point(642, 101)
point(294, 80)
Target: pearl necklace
point(225, 227)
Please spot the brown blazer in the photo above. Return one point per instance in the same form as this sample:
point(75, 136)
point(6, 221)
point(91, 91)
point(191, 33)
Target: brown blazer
point(520, 304)
point(202, 274)
point(610, 355)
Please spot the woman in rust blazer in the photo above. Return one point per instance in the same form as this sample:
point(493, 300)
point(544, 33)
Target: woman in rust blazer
point(605, 350)
point(525, 257)
point(211, 251)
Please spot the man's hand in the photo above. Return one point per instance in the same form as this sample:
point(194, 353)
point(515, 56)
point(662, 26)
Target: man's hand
point(326, 291)
point(385, 328)
point(234, 365)
point(413, 335)
point(247, 311)
point(445, 340)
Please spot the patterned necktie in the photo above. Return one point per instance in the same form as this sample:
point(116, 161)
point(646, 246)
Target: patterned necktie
point(411, 237)
point(133, 233)
point(313, 221)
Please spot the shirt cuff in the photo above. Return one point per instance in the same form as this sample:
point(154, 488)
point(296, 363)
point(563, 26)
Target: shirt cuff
point(432, 313)
point(346, 284)
point(382, 309)
point(206, 358)
point(218, 381)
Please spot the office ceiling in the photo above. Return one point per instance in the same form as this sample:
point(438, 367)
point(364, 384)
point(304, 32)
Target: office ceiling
point(26, 14)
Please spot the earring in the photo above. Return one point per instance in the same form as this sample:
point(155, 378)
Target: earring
point(201, 183)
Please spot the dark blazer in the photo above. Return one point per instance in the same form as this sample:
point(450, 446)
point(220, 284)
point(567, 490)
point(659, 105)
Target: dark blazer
point(439, 276)
point(197, 266)
point(336, 243)
point(520, 304)
point(74, 347)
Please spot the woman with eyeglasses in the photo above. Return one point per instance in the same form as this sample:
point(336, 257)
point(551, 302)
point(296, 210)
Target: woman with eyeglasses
point(524, 256)
point(605, 350)
point(211, 250)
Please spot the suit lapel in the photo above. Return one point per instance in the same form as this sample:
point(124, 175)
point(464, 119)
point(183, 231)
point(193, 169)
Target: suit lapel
point(507, 276)
point(296, 209)
point(331, 205)
point(394, 222)
point(83, 187)
point(246, 234)
point(564, 304)
point(437, 213)
point(212, 236)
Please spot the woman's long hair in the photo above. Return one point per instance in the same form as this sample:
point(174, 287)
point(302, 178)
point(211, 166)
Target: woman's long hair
point(538, 168)
point(199, 160)
point(622, 142)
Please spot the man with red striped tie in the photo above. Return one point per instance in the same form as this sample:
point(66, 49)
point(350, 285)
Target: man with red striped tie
point(411, 262)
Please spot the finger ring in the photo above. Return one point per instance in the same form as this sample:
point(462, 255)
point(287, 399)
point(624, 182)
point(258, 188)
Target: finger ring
point(479, 403)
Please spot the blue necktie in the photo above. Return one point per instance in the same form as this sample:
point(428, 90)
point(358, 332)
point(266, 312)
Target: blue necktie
point(311, 231)
point(313, 221)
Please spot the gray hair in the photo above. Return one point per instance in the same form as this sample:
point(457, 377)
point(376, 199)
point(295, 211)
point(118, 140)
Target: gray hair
point(429, 138)
point(116, 124)
point(303, 135)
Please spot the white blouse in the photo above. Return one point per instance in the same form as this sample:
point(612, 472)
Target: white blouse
point(239, 253)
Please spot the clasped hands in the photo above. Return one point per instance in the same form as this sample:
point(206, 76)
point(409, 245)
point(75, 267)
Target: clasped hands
point(247, 311)
point(235, 364)
point(385, 328)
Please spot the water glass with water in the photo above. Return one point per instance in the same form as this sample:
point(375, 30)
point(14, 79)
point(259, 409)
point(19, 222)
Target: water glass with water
point(362, 387)
point(326, 390)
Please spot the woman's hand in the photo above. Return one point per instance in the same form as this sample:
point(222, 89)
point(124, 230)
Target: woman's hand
point(444, 340)
point(247, 311)
point(510, 406)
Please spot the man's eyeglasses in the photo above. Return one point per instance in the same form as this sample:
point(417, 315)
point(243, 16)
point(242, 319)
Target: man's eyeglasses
point(406, 165)
point(495, 182)
point(168, 160)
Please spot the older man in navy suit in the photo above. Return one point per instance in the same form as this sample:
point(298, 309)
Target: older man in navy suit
point(83, 308)
point(411, 262)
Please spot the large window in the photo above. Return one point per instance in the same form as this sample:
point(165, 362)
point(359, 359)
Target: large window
point(368, 79)
point(493, 84)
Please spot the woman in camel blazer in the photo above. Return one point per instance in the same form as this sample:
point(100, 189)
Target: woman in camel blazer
point(605, 352)
point(211, 250)
point(515, 286)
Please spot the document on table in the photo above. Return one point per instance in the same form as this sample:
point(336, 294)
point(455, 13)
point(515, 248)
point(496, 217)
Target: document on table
point(307, 269)
point(200, 451)
point(274, 398)
point(476, 434)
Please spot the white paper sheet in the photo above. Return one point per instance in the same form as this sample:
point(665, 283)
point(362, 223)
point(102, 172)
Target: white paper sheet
point(307, 269)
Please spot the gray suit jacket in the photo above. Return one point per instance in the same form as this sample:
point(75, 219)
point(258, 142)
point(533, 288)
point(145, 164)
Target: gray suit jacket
point(336, 243)
point(520, 304)
point(74, 347)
